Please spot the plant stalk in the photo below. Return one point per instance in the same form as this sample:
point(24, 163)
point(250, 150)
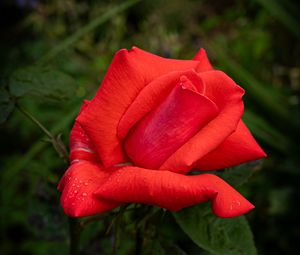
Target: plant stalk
point(75, 232)
point(35, 121)
point(55, 140)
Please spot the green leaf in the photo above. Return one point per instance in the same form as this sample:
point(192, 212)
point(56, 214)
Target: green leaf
point(240, 174)
point(6, 105)
point(41, 82)
point(218, 236)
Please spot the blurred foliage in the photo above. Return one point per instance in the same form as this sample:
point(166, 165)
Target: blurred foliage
point(256, 42)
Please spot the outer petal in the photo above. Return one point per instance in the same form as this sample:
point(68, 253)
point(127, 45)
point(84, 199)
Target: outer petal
point(129, 72)
point(238, 148)
point(152, 95)
point(81, 146)
point(173, 191)
point(160, 133)
point(78, 185)
point(228, 97)
point(204, 64)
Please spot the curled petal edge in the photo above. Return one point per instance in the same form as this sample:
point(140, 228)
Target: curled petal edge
point(173, 191)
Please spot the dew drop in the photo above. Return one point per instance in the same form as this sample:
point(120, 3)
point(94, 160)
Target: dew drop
point(73, 204)
point(84, 194)
point(86, 183)
point(73, 184)
point(78, 186)
point(75, 191)
point(80, 181)
point(76, 179)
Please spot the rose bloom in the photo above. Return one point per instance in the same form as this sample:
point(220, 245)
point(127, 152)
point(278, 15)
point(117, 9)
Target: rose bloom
point(152, 121)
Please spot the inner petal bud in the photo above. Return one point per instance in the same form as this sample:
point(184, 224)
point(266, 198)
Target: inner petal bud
point(166, 128)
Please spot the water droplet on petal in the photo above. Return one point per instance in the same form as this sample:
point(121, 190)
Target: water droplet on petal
point(73, 184)
point(84, 194)
point(86, 183)
point(78, 186)
point(75, 191)
point(80, 181)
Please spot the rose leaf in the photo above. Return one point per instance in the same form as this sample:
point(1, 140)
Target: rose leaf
point(216, 235)
point(43, 83)
point(238, 175)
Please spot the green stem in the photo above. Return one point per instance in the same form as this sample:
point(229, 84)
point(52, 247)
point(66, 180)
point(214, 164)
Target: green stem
point(35, 121)
point(75, 232)
point(55, 140)
point(138, 241)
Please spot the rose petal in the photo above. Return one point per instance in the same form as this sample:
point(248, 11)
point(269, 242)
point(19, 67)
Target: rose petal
point(204, 64)
point(129, 72)
point(81, 147)
point(223, 91)
point(152, 95)
point(173, 191)
point(78, 185)
point(160, 133)
point(238, 148)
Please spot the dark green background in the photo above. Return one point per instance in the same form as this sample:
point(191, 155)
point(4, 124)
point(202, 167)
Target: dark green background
point(256, 42)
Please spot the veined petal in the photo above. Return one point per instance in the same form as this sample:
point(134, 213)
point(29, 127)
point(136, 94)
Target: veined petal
point(238, 148)
point(173, 191)
point(152, 95)
point(78, 184)
point(223, 91)
point(129, 72)
point(161, 132)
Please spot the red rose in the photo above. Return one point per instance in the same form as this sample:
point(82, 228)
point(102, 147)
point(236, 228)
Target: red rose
point(153, 120)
